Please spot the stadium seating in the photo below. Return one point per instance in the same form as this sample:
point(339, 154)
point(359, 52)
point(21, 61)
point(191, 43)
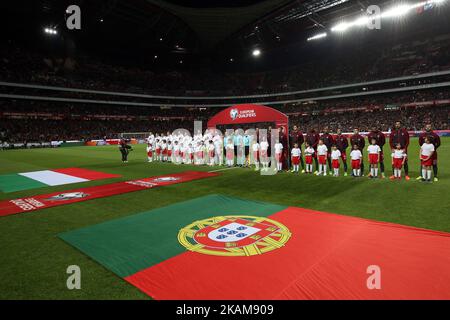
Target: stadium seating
point(84, 122)
point(426, 54)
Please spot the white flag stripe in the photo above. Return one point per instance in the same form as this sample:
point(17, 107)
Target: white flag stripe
point(52, 178)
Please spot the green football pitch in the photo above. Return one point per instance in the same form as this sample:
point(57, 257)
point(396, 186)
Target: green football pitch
point(33, 261)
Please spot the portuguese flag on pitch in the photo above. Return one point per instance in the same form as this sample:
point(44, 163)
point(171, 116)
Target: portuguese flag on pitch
point(217, 247)
point(44, 178)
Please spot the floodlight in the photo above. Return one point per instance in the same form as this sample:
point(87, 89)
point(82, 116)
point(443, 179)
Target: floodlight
point(318, 36)
point(256, 52)
point(341, 27)
point(50, 31)
point(361, 21)
point(398, 11)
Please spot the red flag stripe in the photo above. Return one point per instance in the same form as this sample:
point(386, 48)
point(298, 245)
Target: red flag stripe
point(86, 173)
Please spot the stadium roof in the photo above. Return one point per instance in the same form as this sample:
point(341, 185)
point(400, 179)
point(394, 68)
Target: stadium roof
point(246, 23)
point(166, 32)
point(214, 24)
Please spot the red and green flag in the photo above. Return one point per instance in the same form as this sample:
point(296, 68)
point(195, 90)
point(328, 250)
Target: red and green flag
point(218, 247)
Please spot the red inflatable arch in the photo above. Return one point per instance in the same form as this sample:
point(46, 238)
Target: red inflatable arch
point(249, 113)
point(252, 113)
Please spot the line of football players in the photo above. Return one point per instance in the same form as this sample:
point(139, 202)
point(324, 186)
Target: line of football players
point(329, 151)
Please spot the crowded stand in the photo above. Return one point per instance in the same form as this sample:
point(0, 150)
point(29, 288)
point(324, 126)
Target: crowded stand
point(412, 57)
point(413, 119)
point(83, 122)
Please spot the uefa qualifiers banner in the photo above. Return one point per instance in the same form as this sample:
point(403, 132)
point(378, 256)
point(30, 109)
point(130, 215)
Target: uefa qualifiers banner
point(9, 207)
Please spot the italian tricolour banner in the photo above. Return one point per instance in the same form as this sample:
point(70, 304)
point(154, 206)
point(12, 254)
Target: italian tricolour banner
point(44, 178)
point(218, 247)
point(44, 201)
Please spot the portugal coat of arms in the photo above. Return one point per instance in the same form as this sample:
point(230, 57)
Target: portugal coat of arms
point(234, 236)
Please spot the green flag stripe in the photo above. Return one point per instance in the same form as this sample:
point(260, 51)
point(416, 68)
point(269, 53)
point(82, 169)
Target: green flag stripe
point(131, 244)
point(16, 182)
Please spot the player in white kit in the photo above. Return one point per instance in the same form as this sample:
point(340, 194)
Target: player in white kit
point(278, 155)
point(295, 157)
point(426, 159)
point(356, 157)
point(374, 152)
point(149, 151)
point(211, 150)
point(398, 160)
point(309, 156)
point(263, 147)
point(230, 152)
point(335, 160)
point(176, 153)
point(322, 154)
point(218, 152)
point(255, 154)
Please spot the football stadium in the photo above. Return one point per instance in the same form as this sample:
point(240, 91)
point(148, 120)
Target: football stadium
point(225, 150)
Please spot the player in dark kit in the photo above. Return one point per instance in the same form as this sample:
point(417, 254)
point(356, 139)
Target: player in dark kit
point(380, 139)
point(296, 137)
point(124, 149)
point(312, 137)
point(401, 136)
point(341, 142)
point(328, 140)
point(284, 140)
point(357, 139)
point(269, 140)
point(435, 140)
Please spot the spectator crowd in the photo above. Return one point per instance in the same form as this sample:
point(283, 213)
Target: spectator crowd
point(373, 63)
point(29, 121)
point(24, 122)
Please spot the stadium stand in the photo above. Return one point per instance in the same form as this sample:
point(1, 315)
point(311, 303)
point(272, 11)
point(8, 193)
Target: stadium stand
point(53, 121)
point(421, 55)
